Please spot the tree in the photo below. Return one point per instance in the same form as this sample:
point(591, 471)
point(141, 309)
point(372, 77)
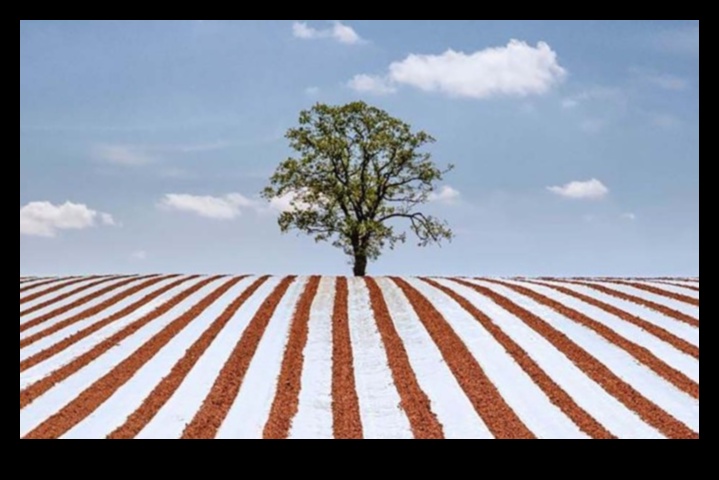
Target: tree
point(358, 173)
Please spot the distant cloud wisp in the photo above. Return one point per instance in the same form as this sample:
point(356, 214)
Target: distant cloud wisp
point(514, 70)
point(372, 84)
point(227, 207)
point(668, 82)
point(665, 81)
point(338, 31)
point(590, 190)
point(43, 219)
point(139, 255)
point(683, 40)
point(446, 195)
point(141, 155)
point(123, 155)
point(664, 120)
point(232, 205)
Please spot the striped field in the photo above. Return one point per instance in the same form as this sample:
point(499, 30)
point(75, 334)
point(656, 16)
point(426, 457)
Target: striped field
point(192, 357)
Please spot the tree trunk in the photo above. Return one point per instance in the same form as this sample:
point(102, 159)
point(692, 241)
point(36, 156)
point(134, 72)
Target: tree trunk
point(360, 268)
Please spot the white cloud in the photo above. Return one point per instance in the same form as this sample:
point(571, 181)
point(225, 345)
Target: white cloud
point(228, 207)
point(446, 195)
point(288, 202)
point(43, 219)
point(339, 32)
point(516, 69)
point(569, 103)
point(345, 34)
point(628, 216)
point(283, 203)
point(106, 219)
point(312, 91)
point(139, 255)
point(592, 189)
point(302, 30)
point(371, 84)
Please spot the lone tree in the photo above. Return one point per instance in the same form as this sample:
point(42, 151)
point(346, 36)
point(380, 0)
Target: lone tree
point(358, 172)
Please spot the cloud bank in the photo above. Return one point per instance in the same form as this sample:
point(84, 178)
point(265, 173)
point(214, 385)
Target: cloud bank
point(338, 31)
point(43, 219)
point(590, 190)
point(514, 70)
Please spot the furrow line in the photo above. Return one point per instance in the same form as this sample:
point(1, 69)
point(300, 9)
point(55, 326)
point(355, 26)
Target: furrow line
point(92, 398)
point(610, 382)
point(286, 403)
point(50, 281)
point(31, 339)
point(169, 385)
point(68, 342)
point(676, 342)
point(415, 402)
point(208, 420)
point(658, 291)
point(554, 392)
point(668, 373)
point(489, 404)
point(32, 392)
point(82, 301)
point(678, 285)
point(347, 422)
point(664, 310)
point(67, 295)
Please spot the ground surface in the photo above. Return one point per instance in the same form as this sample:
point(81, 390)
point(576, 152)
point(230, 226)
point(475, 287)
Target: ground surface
point(325, 357)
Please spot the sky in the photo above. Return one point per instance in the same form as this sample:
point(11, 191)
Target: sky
point(144, 144)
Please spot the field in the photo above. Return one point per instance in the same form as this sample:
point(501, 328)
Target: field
point(322, 357)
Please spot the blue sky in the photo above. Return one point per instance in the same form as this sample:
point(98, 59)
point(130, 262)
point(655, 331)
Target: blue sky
point(144, 145)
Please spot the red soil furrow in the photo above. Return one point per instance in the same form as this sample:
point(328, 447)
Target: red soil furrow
point(80, 302)
point(169, 385)
point(49, 281)
point(96, 327)
point(55, 288)
point(489, 404)
point(551, 389)
point(27, 280)
point(658, 291)
point(676, 279)
point(414, 400)
point(608, 380)
point(97, 394)
point(664, 310)
point(37, 389)
point(214, 410)
point(30, 340)
point(676, 342)
point(67, 295)
point(668, 373)
point(679, 285)
point(347, 423)
point(287, 398)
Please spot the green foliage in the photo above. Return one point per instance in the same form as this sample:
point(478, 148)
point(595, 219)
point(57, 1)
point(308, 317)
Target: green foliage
point(357, 171)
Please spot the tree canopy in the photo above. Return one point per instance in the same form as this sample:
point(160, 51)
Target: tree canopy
point(358, 172)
